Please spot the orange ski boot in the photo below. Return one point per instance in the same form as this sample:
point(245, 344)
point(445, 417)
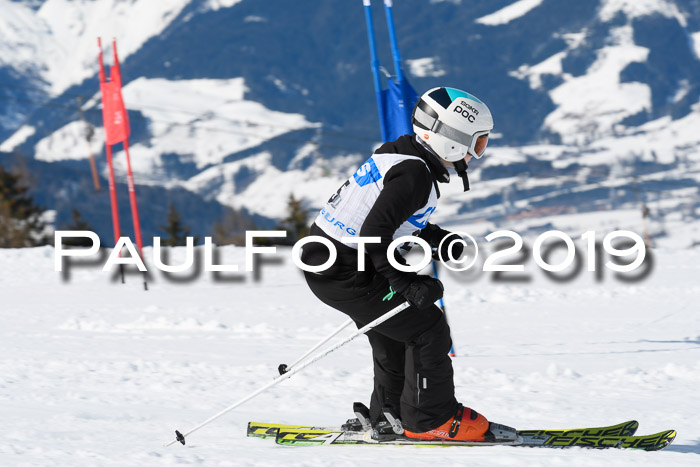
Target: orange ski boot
point(458, 428)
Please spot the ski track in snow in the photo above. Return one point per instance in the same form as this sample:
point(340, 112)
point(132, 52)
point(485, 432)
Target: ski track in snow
point(94, 372)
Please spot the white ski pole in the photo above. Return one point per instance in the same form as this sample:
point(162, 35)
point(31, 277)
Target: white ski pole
point(283, 368)
point(181, 437)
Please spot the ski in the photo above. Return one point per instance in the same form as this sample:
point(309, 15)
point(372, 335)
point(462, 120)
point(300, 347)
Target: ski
point(300, 437)
point(269, 430)
point(629, 428)
point(621, 435)
point(654, 442)
point(548, 437)
point(540, 438)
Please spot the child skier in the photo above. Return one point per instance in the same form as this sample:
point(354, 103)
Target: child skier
point(393, 194)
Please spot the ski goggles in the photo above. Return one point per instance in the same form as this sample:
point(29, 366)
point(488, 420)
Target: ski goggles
point(480, 146)
point(476, 142)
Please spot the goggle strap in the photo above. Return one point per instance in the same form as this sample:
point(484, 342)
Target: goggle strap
point(423, 118)
point(461, 168)
point(452, 134)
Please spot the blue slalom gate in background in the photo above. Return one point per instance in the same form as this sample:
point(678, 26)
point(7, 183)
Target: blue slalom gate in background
point(394, 104)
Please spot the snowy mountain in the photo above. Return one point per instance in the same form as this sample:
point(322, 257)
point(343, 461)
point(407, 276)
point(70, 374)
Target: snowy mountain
point(239, 103)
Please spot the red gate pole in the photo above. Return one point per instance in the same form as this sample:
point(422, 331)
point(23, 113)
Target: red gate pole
point(108, 150)
point(129, 174)
point(132, 200)
point(113, 195)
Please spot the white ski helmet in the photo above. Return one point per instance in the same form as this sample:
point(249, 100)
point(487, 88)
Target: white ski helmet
point(452, 123)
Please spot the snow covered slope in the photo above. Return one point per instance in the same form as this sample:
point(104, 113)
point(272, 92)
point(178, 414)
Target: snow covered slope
point(93, 372)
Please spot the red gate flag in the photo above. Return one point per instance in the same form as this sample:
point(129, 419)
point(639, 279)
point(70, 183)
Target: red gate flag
point(114, 116)
point(116, 123)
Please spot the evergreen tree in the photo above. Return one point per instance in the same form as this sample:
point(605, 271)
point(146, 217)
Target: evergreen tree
point(296, 222)
point(21, 222)
point(78, 224)
point(231, 229)
point(175, 230)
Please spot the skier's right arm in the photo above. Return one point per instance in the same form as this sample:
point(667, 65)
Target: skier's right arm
point(407, 187)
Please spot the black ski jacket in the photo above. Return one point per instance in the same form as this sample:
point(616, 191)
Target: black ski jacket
point(407, 186)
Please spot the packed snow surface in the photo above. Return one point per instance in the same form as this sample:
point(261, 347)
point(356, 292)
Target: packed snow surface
point(696, 42)
point(422, 67)
point(93, 372)
point(509, 13)
point(17, 138)
point(637, 8)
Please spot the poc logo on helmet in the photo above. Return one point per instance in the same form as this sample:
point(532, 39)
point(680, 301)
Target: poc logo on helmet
point(467, 111)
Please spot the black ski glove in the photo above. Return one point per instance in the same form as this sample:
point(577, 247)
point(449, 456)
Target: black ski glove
point(423, 292)
point(457, 248)
point(434, 235)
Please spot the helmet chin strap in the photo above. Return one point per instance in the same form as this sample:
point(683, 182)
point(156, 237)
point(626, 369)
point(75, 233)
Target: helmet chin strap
point(461, 168)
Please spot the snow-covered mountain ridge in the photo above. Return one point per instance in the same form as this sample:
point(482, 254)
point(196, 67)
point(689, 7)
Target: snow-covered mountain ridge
point(595, 102)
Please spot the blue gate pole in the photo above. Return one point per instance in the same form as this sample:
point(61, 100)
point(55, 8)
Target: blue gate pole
point(392, 37)
point(375, 67)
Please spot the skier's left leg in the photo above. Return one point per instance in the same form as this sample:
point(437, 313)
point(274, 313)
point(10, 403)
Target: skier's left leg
point(389, 360)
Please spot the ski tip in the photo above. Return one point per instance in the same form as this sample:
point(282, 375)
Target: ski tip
point(630, 428)
point(269, 430)
point(667, 438)
point(261, 430)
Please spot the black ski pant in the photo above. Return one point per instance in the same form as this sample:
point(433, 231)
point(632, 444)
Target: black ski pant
point(412, 369)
